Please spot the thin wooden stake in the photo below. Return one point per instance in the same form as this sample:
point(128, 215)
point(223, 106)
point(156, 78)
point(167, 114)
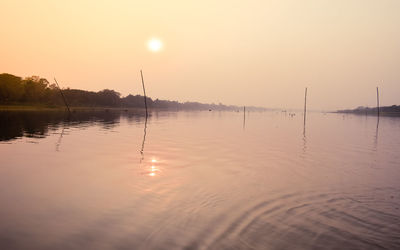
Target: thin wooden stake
point(65, 101)
point(144, 92)
point(305, 105)
point(377, 99)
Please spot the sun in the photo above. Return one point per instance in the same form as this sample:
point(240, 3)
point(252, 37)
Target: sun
point(154, 45)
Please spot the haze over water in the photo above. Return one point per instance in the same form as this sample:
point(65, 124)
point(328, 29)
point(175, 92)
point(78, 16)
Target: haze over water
point(199, 180)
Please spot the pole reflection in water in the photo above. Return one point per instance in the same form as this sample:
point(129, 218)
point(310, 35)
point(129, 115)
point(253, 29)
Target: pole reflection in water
point(58, 144)
point(59, 139)
point(304, 137)
point(153, 169)
point(376, 135)
point(144, 139)
point(244, 117)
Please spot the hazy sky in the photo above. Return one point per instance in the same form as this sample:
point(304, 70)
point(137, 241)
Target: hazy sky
point(236, 52)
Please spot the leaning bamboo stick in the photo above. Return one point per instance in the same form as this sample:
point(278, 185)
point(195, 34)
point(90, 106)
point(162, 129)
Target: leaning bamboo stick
point(144, 92)
point(65, 101)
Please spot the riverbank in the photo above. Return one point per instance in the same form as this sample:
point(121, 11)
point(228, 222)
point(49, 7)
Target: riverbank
point(395, 114)
point(63, 108)
point(393, 110)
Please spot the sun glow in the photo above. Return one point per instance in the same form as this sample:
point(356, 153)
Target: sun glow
point(154, 45)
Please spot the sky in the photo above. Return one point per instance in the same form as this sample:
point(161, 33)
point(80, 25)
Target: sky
point(261, 53)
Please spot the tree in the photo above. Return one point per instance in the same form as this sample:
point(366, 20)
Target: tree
point(11, 88)
point(35, 89)
point(108, 97)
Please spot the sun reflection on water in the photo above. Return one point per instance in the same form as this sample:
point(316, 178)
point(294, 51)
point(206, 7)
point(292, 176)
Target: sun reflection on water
point(153, 169)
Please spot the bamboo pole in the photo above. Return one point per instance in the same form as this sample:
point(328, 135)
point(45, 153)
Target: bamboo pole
point(144, 92)
point(65, 101)
point(377, 99)
point(305, 105)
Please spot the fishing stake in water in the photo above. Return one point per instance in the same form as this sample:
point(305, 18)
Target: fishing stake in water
point(305, 105)
point(377, 99)
point(144, 92)
point(65, 101)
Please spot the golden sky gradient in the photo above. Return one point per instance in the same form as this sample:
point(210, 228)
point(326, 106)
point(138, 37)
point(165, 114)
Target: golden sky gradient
point(236, 52)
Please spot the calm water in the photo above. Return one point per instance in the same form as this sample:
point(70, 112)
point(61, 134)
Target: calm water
point(199, 180)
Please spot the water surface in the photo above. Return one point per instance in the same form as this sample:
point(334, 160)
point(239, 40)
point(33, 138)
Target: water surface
point(199, 180)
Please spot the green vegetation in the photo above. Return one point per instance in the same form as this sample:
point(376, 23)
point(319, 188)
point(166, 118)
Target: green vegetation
point(37, 93)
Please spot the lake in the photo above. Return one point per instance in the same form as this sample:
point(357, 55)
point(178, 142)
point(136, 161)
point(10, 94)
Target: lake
point(199, 180)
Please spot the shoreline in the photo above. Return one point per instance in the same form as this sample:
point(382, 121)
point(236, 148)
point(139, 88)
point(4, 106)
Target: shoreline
point(63, 108)
point(74, 109)
point(368, 113)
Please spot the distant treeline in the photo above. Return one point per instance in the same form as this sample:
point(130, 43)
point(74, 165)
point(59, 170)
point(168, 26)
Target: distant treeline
point(386, 110)
point(35, 90)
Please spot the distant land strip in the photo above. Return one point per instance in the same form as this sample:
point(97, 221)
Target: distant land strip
point(35, 93)
point(393, 110)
